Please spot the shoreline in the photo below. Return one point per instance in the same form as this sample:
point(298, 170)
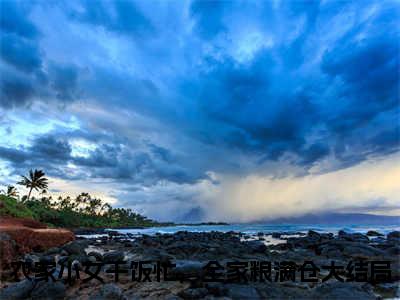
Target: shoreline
point(191, 251)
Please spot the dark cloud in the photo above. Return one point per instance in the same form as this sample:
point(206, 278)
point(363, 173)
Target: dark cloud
point(15, 156)
point(53, 152)
point(22, 53)
point(120, 16)
point(13, 18)
point(64, 81)
point(209, 17)
point(50, 148)
point(212, 84)
point(15, 91)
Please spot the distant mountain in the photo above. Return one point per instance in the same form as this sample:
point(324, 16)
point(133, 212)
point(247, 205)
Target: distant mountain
point(337, 218)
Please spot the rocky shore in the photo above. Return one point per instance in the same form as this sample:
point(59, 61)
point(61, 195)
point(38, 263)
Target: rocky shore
point(190, 252)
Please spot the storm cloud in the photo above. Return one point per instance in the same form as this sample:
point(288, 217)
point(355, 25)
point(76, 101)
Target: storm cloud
point(174, 101)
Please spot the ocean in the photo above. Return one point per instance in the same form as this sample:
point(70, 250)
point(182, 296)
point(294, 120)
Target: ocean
point(252, 229)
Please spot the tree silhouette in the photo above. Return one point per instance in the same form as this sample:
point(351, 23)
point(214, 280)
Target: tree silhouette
point(36, 181)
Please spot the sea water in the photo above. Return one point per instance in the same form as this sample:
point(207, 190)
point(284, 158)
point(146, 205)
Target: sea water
point(252, 229)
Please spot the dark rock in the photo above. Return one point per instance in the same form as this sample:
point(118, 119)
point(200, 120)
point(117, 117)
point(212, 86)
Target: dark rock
point(362, 251)
point(374, 233)
point(19, 290)
point(113, 256)
point(96, 255)
point(388, 290)
point(88, 231)
point(342, 290)
point(240, 292)
point(330, 251)
point(217, 289)
point(48, 290)
point(314, 234)
point(108, 291)
point(353, 237)
point(256, 246)
point(76, 247)
point(198, 293)
point(276, 235)
point(393, 235)
point(47, 259)
point(186, 269)
point(393, 250)
point(54, 250)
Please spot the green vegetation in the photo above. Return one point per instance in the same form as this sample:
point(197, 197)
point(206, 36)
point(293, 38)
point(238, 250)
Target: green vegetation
point(11, 207)
point(81, 211)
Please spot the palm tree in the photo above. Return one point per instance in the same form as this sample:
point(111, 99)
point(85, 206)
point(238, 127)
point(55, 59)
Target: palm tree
point(36, 181)
point(11, 191)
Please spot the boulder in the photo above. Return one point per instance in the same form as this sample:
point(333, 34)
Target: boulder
point(76, 247)
point(374, 233)
point(362, 251)
point(241, 292)
point(48, 290)
point(217, 289)
point(113, 256)
point(394, 235)
point(19, 290)
point(256, 246)
point(314, 234)
point(395, 250)
point(108, 291)
point(353, 237)
point(186, 269)
point(276, 235)
point(341, 290)
point(196, 293)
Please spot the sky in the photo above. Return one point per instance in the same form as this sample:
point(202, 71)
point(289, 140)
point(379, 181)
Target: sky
point(196, 110)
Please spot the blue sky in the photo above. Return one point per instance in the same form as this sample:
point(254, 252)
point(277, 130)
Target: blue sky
point(219, 110)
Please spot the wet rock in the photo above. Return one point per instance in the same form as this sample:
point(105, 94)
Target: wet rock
point(19, 290)
point(388, 290)
point(342, 290)
point(217, 289)
point(394, 235)
point(314, 234)
point(362, 251)
point(76, 247)
point(108, 291)
point(241, 292)
point(256, 246)
point(353, 237)
point(48, 290)
point(197, 293)
point(187, 269)
point(47, 259)
point(276, 235)
point(374, 233)
point(53, 250)
point(113, 256)
point(329, 251)
point(393, 250)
